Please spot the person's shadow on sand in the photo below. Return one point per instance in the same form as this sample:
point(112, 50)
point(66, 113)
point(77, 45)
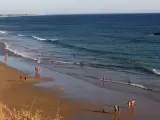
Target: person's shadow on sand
point(100, 111)
point(116, 117)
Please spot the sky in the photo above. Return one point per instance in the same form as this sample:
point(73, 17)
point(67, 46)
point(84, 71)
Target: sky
point(78, 6)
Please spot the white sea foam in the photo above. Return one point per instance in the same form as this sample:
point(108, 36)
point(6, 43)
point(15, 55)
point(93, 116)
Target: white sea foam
point(3, 32)
point(55, 39)
point(125, 83)
point(63, 62)
point(38, 38)
point(7, 47)
point(156, 71)
point(20, 35)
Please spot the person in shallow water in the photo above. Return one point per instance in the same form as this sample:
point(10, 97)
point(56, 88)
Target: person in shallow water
point(37, 71)
point(131, 103)
point(117, 109)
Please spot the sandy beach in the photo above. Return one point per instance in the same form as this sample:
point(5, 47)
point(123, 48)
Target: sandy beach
point(16, 93)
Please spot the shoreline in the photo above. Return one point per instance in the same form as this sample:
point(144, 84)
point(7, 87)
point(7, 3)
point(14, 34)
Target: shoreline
point(76, 105)
point(121, 86)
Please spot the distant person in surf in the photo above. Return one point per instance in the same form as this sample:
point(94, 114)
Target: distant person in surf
point(103, 80)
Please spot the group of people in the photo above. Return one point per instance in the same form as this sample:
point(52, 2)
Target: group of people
point(37, 69)
point(37, 73)
point(117, 110)
point(131, 103)
point(131, 106)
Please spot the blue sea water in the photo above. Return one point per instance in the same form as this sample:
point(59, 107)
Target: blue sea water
point(120, 46)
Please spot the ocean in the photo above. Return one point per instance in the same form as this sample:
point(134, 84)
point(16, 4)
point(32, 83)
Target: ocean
point(120, 47)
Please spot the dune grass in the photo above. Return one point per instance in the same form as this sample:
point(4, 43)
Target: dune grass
point(8, 114)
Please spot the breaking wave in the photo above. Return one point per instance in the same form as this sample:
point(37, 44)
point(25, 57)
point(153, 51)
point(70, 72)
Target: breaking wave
point(38, 38)
point(3, 32)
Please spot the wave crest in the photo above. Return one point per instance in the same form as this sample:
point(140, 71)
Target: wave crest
point(21, 35)
point(3, 32)
point(38, 38)
point(130, 84)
